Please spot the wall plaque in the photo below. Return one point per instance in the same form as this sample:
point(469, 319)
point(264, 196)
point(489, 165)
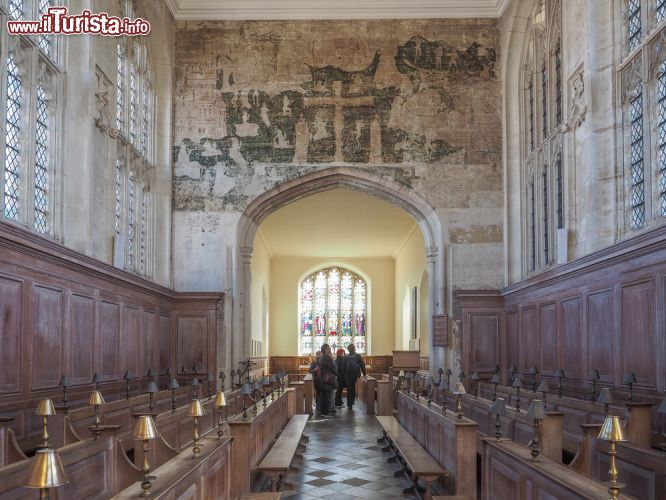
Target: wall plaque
point(440, 330)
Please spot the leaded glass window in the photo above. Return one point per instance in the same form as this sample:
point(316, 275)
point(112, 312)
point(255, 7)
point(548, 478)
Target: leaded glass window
point(544, 103)
point(546, 235)
point(133, 104)
point(145, 118)
point(118, 196)
point(42, 162)
point(530, 92)
point(333, 310)
point(637, 157)
point(16, 9)
point(142, 233)
point(120, 87)
point(560, 192)
point(558, 86)
point(660, 11)
point(12, 170)
point(661, 136)
point(532, 228)
point(131, 219)
point(44, 40)
point(633, 23)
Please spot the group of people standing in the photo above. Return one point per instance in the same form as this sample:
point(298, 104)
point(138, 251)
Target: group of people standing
point(333, 376)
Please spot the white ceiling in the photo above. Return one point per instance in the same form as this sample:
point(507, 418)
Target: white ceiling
point(337, 223)
point(333, 9)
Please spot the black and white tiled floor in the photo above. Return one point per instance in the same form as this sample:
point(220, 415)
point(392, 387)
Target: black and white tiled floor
point(343, 461)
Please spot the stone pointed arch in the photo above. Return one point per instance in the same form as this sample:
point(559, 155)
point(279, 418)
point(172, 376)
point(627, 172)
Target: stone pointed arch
point(316, 182)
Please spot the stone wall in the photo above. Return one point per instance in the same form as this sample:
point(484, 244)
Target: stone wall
point(259, 103)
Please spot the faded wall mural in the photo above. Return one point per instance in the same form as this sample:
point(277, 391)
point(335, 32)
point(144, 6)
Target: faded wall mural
point(257, 103)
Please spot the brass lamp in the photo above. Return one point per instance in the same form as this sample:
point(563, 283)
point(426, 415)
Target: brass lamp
point(512, 371)
point(606, 399)
point(440, 374)
point(196, 411)
point(534, 371)
point(497, 409)
point(96, 400)
point(429, 385)
point(517, 385)
point(151, 389)
point(544, 388)
point(629, 379)
point(448, 374)
point(195, 388)
point(537, 411)
point(613, 432)
point(173, 385)
point(127, 377)
point(273, 380)
point(461, 375)
point(560, 375)
point(495, 381)
point(97, 379)
point(246, 390)
point(232, 374)
point(265, 382)
point(476, 377)
point(45, 409)
point(150, 374)
point(256, 390)
point(408, 382)
point(459, 390)
point(220, 402)
point(46, 472)
point(442, 387)
point(222, 376)
point(145, 431)
point(65, 382)
point(594, 378)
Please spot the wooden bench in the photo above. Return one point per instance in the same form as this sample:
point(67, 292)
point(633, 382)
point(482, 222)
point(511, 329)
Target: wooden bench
point(415, 458)
point(278, 460)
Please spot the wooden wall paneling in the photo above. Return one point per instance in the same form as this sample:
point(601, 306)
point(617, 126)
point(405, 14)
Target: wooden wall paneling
point(638, 344)
point(81, 338)
point(529, 339)
point(548, 329)
point(165, 343)
point(46, 353)
point(512, 350)
point(484, 339)
point(600, 336)
point(11, 335)
point(571, 342)
point(130, 339)
point(109, 341)
point(192, 334)
point(148, 342)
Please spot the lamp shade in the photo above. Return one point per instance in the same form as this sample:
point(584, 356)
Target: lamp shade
point(97, 378)
point(440, 370)
point(448, 372)
point(476, 376)
point(96, 399)
point(128, 375)
point(168, 371)
point(537, 410)
point(256, 385)
point(459, 389)
point(220, 399)
point(534, 370)
point(517, 383)
point(560, 373)
point(543, 386)
point(265, 381)
point(246, 389)
point(513, 369)
point(45, 408)
point(606, 397)
point(232, 373)
point(65, 381)
point(145, 428)
point(173, 384)
point(197, 409)
point(461, 375)
point(629, 378)
point(594, 375)
point(408, 375)
point(273, 379)
point(222, 375)
point(46, 470)
point(612, 429)
point(497, 408)
point(150, 373)
point(495, 379)
point(401, 374)
point(417, 377)
point(151, 388)
point(209, 377)
point(195, 382)
point(662, 406)
point(430, 382)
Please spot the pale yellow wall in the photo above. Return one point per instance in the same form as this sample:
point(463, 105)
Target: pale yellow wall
point(410, 264)
point(286, 272)
point(261, 283)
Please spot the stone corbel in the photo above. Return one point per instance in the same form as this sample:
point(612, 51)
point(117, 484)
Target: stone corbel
point(578, 108)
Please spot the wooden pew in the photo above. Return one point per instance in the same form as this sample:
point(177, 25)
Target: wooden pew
point(384, 398)
point(253, 437)
point(308, 393)
point(415, 458)
point(509, 473)
point(450, 441)
point(278, 460)
point(367, 387)
point(10, 451)
point(206, 477)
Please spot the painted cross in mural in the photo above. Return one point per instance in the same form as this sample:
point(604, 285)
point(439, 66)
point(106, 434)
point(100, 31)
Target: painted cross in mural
point(338, 102)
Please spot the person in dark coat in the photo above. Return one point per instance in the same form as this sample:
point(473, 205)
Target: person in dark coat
point(326, 377)
point(313, 367)
point(354, 365)
point(342, 383)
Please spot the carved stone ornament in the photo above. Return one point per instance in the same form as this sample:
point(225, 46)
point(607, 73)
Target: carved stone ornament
point(578, 108)
point(102, 112)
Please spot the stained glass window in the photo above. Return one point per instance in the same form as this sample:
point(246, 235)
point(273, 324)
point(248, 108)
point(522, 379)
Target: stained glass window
point(41, 162)
point(544, 103)
point(546, 235)
point(660, 11)
point(661, 136)
point(131, 219)
point(133, 115)
point(16, 9)
point(120, 87)
point(637, 157)
point(530, 92)
point(532, 228)
point(333, 310)
point(634, 23)
point(118, 193)
point(558, 86)
point(560, 192)
point(44, 40)
point(11, 206)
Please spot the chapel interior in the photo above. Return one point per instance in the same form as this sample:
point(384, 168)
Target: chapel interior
point(472, 193)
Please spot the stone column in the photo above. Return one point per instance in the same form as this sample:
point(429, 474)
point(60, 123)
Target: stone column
point(242, 336)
